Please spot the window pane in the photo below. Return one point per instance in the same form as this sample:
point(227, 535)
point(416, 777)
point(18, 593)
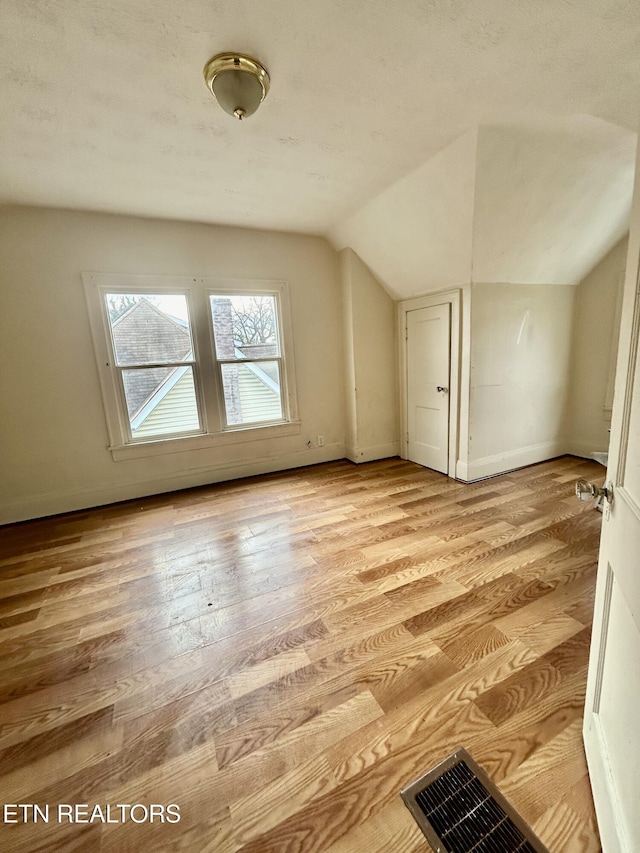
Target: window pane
point(245, 326)
point(148, 328)
point(161, 400)
point(252, 392)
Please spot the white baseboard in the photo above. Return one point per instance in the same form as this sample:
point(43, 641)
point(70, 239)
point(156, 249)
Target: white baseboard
point(53, 503)
point(370, 454)
point(584, 449)
point(490, 466)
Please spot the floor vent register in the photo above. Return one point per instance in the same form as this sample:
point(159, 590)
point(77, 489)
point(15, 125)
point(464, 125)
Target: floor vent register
point(460, 810)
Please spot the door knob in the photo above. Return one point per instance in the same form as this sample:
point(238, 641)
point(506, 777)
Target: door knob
point(586, 491)
point(441, 388)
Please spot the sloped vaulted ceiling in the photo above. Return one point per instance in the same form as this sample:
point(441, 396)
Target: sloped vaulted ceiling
point(417, 235)
point(521, 203)
point(550, 200)
point(104, 107)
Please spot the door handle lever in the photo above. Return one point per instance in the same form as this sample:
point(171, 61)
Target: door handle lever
point(441, 388)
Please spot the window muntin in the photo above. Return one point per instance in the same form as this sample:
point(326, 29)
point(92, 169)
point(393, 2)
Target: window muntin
point(140, 427)
point(248, 351)
point(154, 358)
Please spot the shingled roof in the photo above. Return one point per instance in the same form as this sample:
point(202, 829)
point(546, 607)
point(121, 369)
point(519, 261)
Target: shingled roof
point(145, 334)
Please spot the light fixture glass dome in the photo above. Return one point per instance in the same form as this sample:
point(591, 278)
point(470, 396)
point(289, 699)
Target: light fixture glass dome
point(238, 83)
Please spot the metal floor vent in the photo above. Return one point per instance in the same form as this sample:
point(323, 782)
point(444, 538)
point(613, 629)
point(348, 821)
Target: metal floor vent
point(460, 810)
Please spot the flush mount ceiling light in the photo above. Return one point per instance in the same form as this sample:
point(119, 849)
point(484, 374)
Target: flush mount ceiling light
point(237, 82)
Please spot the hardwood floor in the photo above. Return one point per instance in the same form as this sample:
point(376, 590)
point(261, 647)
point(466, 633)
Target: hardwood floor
point(279, 656)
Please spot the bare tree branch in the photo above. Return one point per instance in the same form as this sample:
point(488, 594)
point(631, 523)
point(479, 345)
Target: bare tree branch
point(254, 321)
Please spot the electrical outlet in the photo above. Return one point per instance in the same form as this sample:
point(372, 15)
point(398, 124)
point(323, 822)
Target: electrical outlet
point(320, 441)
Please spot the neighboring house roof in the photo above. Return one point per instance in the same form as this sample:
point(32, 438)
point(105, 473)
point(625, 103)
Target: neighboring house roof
point(171, 409)
point(266, 372)
point(259, 395)
point(162, 400)
point(142, 334)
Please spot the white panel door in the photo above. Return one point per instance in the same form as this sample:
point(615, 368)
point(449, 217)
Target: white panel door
point(428, 335)
point(612, 710)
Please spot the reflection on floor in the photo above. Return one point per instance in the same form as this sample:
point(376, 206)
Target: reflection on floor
point(279, 656)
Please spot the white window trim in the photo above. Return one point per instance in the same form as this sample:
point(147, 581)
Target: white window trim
point(248, 288)
point(206, 375)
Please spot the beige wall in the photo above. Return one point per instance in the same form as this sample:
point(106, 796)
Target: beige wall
point(53, 439)
point(371, 388)
point(350, 405)
point(594, 352)
point(537, 359)
point(520, 362)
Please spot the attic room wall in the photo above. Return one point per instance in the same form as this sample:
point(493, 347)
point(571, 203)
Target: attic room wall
point(53, 437)
point(351, 414)
point(371, 391)
point(520, 367)
point(594, 351)
point(416, 235)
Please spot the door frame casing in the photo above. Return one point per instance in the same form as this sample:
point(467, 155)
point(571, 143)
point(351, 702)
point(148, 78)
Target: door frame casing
point(454, 299)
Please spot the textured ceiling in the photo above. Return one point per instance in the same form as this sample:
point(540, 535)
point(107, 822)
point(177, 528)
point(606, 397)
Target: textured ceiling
point(524, 204)
point(104, 108)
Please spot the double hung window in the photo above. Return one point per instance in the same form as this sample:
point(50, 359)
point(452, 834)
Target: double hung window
point(153, 359)
point(197, 360)
point(249, 357)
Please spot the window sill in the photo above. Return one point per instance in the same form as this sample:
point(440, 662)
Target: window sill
point(189, 443)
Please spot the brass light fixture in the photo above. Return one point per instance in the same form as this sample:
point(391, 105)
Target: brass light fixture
point(237, 82)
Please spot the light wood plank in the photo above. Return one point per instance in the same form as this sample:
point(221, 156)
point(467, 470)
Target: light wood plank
point(280, 655)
